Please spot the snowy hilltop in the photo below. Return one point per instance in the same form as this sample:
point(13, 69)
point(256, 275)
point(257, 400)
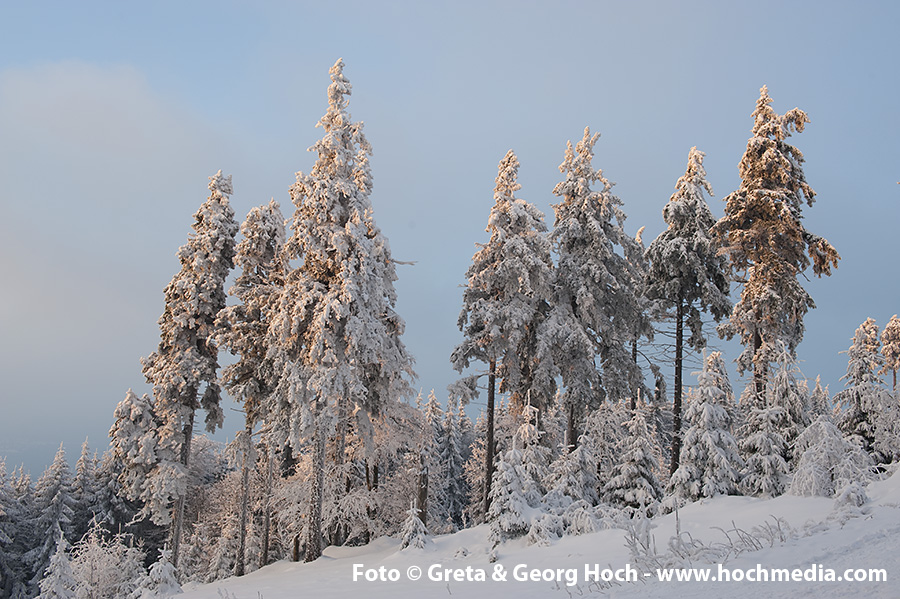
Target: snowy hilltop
point(750, 537)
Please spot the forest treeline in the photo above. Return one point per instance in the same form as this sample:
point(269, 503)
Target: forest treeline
point(572, 333)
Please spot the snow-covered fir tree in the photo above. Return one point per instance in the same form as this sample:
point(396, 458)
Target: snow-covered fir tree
point(335, 337)
point(414, 533)
point(18, 526)
point(827, 463)
point(12, 568)
point(243, 329)
point(890, 349)
point(435, 507)
point(183, 369)
point(257, 288)
point(595, 309)
point(687, 273)
point(454, 453)
point(865, 408)
point(711, 463)
point(763, 236)
point(633, 482)
point(53, 505)
point(607, 428)
point(518, 484)
point(59, 582)
point(573, 476)
point(786, 392)
point(133, 447)
point(161, 582)
point(505, 302)
point(762, 446)
point(819, 401)
point(85, 493)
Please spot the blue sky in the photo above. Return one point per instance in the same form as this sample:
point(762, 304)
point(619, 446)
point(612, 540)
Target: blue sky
point(113, 116)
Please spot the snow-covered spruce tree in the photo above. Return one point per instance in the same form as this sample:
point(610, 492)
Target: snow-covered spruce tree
point(414, 533)
point(161, 582)
point(711, 463)
point(687, 273)
point(864, 407)
point(20, 521)
point(432, 488)
point(762, 446)
point(607, 427)
point(137, 493)
point(85, 493)
point(786, 392)
point(59, 582)
point(454, 453)
point(890, 348)
point(183, 369)
point(243, 328)
point(763, 236)
point(819, 401)
point(633, 482)
point(53, 505)
point(505, 301)
point(335, 337)
point(12, 576)
point(827, 462)
point(510, 511)
point(595, 310)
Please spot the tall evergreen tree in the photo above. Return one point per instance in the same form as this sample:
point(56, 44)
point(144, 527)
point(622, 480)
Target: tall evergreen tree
point(335, 337)
point(633, 482)
point(765, 470)
point(243, 328)
point(865, 407)
point(890, 348)
point(711, 463)
point(54, 508)
point(59, 583)
point(505, 302)
point(787, 393)
point(453, 456)
point(763, 236)
point(595, 311)
point(85, 493)
point(183, 370)
point(687, 273)
point(11, 575)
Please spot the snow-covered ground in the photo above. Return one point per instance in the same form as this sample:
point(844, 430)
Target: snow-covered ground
point(793, 533)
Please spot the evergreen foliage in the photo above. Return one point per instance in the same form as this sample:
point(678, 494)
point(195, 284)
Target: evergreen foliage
point(335, 337)
point(595, 310)
point(687, 272)
point(710, 463)
point(763, 236)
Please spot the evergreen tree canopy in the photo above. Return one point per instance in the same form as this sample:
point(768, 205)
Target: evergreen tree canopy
point(763, 236)
point(595, 310)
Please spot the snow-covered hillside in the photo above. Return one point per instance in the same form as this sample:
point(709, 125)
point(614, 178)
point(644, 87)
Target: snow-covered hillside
point(748, 534)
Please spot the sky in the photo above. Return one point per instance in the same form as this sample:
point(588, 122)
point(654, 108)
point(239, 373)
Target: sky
point(113, 116)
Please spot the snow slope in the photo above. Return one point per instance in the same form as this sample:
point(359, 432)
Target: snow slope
point(790, 532)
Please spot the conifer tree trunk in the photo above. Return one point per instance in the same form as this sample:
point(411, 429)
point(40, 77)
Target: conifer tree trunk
point(178, 524)
point(239, 567)
point(267, 508)
point(676, 402)
point(635, 391)
point(314, 524)
point(489, 438)
point(422, 495)
point(570, 429)
point(759, 372)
